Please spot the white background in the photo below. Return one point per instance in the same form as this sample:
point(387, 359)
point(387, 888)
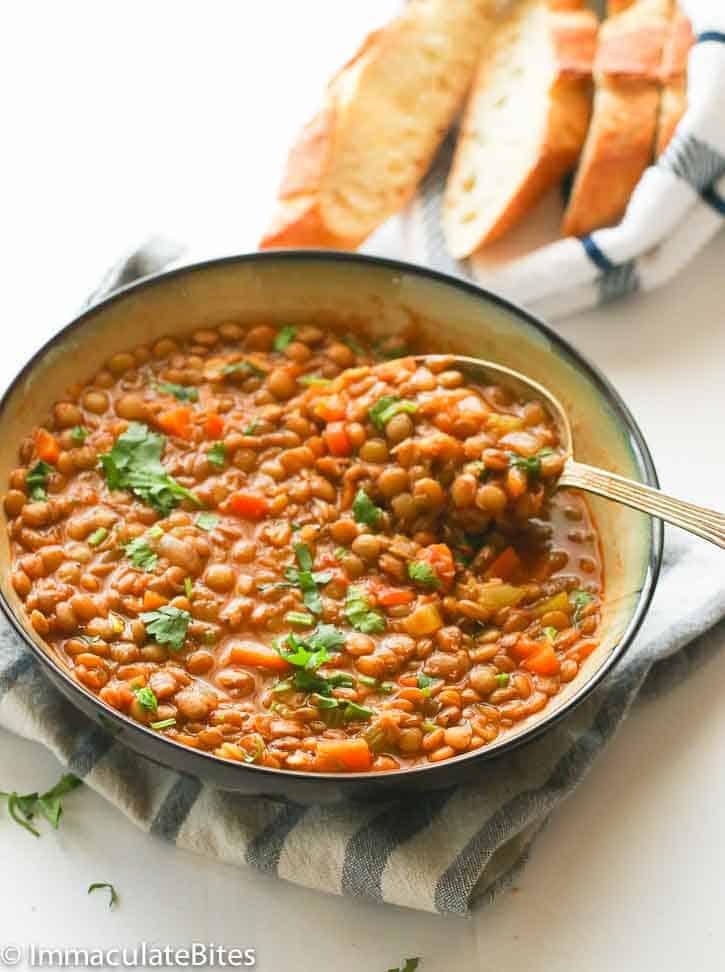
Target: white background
point(121, 120)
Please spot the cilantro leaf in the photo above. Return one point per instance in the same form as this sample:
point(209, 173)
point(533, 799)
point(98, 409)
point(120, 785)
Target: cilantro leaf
point(388, 406)
point(22, 808)
point(303, 555)
point(409, 965)
point(359, 613)
point(184, 393)
point(113, 894)
point(134, 463)
point(146, 698)
point(284, 338)
point(251, 429)
point(217, 454)
point(207, 521)
point(247, 366)
point(531, 465)
point(364, 510)
point(78, 434)
point(36, 480)
point(425, 683)
point(423, 573)
point(305, 578)
point(140, 554)
point(502, 679)
point(167, 626)
point(579, 600)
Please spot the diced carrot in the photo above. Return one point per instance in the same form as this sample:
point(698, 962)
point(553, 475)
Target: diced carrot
point(504, 565)
point(46, 446)
point(543, 661)
point(439, 557)
point(214, 426)
point(524, 647)
point(390, 596)
point(177, 421)
point(582, 650)
point(257, 656)
point(152, 600)
point(347, 754)
point(250, 506)
point(337, 439)
point(330, 409)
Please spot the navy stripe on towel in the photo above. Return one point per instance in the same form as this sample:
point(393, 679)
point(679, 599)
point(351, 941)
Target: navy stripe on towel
point(15, 671)
point(176, 807)
point(264, 851)
point(596, 255)
point(715, 200)
point(92, 746)
point(711, 35)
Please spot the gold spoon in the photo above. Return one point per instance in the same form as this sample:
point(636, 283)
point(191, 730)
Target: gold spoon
point(699, 520)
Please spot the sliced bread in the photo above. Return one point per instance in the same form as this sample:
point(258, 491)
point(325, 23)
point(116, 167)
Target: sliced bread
point(621, 140)
point(385, 114)
point(525, 121)
point(673, 98)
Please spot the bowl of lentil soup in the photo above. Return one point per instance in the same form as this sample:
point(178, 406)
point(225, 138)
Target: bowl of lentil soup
point(253, 537)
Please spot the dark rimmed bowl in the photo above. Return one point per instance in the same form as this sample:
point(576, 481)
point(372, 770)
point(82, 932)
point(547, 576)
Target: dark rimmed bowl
point(380, 297)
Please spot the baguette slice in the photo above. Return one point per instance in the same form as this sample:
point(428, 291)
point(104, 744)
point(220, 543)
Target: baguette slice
point(673, 99)
point(525, 122)
point(620, 143)
point(385, 114)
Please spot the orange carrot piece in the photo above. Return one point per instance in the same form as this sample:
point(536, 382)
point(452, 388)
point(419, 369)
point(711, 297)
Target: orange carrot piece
point(46, 446)
point(249, 506)
point(152, 600)
point(330, 409)
point(346, 754)
point(504, 565)
point(524, 647)
point(543, 661)
point(439, 557)
point(214, 426)
point(337, 439)
point(257, 656)
point(390, 596)
point(177, 421)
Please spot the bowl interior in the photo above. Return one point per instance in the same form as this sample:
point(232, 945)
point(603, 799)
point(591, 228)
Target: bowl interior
point(379, 299)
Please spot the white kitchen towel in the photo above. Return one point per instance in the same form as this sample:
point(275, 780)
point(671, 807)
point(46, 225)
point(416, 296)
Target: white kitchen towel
point(447, 851)
point(677, 207)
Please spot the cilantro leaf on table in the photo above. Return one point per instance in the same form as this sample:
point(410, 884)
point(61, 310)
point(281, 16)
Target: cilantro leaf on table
point(23, 808)
point(167, 626)
point(134, 463)
point(113, 894)
point(359, 613)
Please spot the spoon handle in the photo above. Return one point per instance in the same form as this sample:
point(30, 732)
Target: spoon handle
point(699, 520)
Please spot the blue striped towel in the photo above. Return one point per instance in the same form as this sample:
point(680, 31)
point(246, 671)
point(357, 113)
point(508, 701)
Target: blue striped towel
point(677, 207)
point(445, 852)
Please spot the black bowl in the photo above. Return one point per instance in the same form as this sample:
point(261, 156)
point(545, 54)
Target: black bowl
point(383, 296)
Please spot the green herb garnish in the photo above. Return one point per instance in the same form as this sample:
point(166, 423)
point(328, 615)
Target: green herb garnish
point(388, 406)
point(217, 454)
point(23, 808)
point(146, 698)
point(134, 463)
point(113, 896)
point(163, 724)
point(428, 726)
point(167, 626)
point(364, 510)
point(531, 465)
point(37, 479)
point(284, 338)
point(349, 711)
point(251, 429)
point(502, 679)
point(304, 578)
point(409, 965)
point(247, 366)
point(425, 683)
point(140, 553)
point(78, 434)
point(550, 633)
point(207, 521)
point(313, 380)
point(98, 536)
point(359, 613)
point(579, 600)
point(299, 617)
point(184, 393)
point(253, 757)
point(423, 573)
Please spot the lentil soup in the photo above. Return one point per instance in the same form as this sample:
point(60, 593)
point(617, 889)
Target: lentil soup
point(269, 544)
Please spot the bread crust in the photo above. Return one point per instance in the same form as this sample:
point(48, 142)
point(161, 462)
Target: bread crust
point(385, 114)
point(572, 36)
point(620, 143)
point(673, 102)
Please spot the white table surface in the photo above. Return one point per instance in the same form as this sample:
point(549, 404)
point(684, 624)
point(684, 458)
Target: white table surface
point(174, 117)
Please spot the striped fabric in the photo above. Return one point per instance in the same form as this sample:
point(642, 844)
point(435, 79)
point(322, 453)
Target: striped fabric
point(678, 206)
point(445, 852)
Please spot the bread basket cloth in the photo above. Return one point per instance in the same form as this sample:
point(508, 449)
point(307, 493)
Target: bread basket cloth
point(445, 852)
point(676, 208)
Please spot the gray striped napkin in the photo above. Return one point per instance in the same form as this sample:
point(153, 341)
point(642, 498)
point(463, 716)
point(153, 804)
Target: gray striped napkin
point(446, 852)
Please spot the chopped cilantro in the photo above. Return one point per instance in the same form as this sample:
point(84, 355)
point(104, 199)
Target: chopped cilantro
point(23, 807)
point(78, 434)
point(359, 613)
point(259, 749)
point(284, 338)
point(217, 454)
point(207, 521)
point(423, 573)
point(167, 626)
point(304, 578)
point(247, 366)
point(113, 894)
point(134, 463)
point(388, 406)
point(364, 510)
point(98, 536)
point(531, 465)
point(502, 679)
point(184, 393)
point(425, 683)
point(579, 600)
point(140, 553)
point(146, 698)
point(37, 479)
point(409, 965)
point(350, 711)
point(251, 429)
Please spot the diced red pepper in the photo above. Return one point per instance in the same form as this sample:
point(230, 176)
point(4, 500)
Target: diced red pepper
point(250, 506)
point(337, 439)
